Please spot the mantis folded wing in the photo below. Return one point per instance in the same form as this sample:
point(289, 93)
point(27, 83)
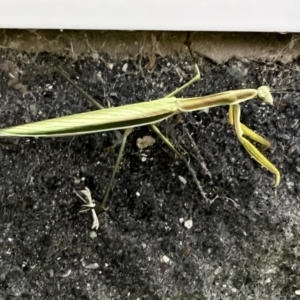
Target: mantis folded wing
point(149, 113)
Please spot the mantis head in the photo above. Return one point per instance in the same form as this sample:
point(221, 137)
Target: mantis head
point(264, 94)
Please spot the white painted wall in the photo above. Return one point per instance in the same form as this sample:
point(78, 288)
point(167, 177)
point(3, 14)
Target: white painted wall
point(187, 15)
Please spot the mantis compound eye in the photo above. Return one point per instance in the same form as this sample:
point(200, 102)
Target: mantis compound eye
point(264, 94)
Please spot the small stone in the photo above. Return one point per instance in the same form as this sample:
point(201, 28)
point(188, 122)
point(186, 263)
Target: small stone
point(110, 65)
point(165, 259)
point(188, 224)
point(124, 68)
point(93, 234)
point(95, 56)
point(67, 274)
point(145, 142)
point(182, 179)
point(92, 266)
point(33, 109)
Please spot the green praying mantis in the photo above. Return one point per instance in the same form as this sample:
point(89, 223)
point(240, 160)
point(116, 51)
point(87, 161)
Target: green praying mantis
point(149, 113)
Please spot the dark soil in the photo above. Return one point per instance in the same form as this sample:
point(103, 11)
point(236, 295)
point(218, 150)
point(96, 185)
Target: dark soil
point(242, 245)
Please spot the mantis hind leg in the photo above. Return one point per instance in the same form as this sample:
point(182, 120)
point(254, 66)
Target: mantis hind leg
point(62, 73)
point(156, 130)
point(241, 131)
point(165, 140)
point(194, 79)
point(116, 167)
point(154, 127)
point(119, 136)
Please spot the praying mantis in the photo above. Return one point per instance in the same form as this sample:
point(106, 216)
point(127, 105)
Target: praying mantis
point(149, 113)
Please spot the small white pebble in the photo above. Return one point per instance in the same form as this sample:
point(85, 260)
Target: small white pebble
point(181, 220)
point(165, 259)
point(143, 245)
point(218, 271)
point(124, 68)
point(188, 224)
point(182, 179)
point(143, 159)
point(95, 56)
point(110, 66)
point(271, 271)
point(297, 292)
point(99, 75)
point(92, 266)
point(93, 234)
point(68, 273)
point(138, 194)
point(76, 181)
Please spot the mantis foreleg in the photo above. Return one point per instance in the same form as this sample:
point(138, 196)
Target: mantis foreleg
point(241, 131)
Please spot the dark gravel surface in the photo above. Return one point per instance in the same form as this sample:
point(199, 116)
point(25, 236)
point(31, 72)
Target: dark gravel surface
point(242, 245)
